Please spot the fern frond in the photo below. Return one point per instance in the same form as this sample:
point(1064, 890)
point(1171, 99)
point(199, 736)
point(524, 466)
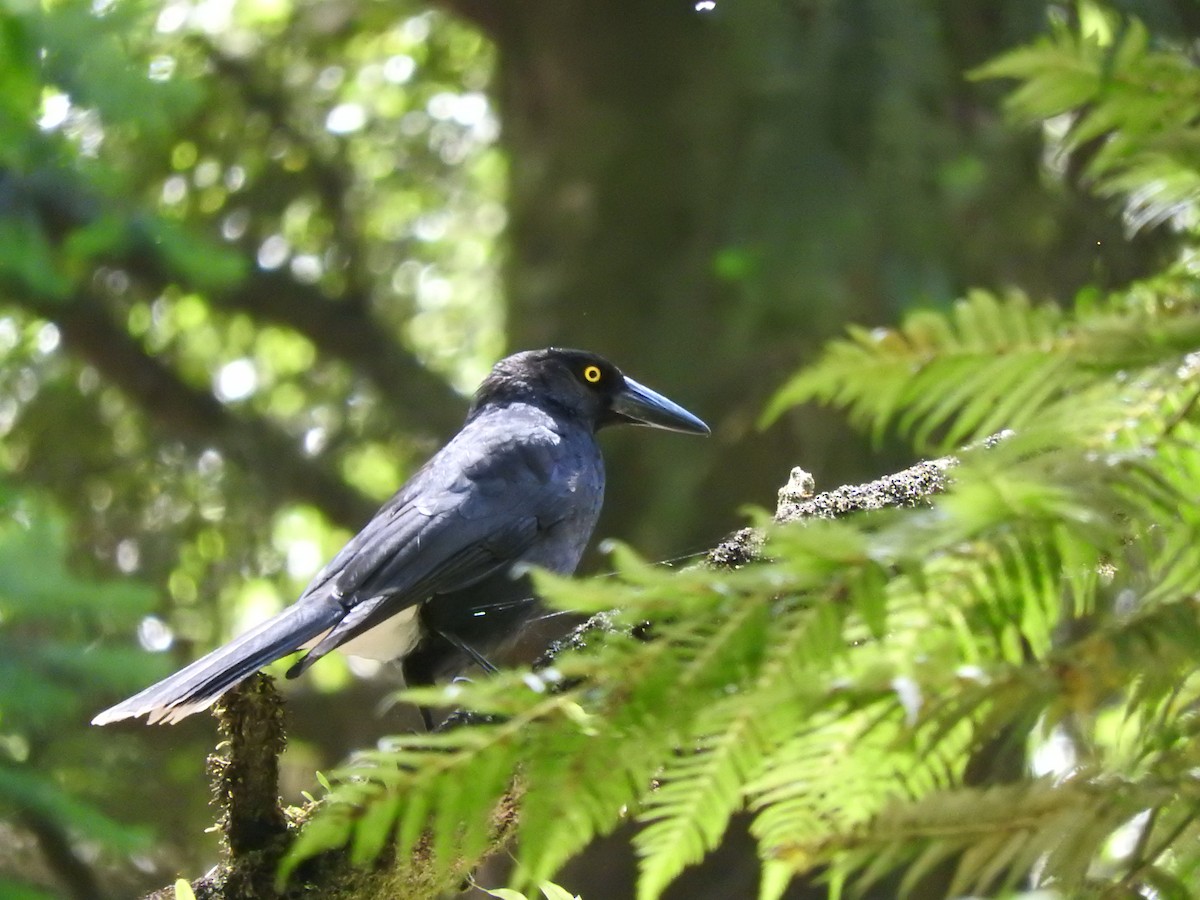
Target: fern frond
point(692, 687)
point(996, 363)
point(1132, 104)
point(436, 789)
point(990, 837)
point(845, 688)
point(701, 786)
point(991, 349)
point(689, 810)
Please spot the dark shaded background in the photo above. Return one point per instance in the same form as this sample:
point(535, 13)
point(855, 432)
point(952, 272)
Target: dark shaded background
point(251, 265)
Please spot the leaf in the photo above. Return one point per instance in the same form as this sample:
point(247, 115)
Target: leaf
point(22, 92)
point(27, 259)
point(553, 892)
point(200, 262)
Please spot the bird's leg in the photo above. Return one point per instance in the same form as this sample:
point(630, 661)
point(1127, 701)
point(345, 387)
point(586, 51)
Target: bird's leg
point(460, 717)
point(463, 717)
point(418, 671)
point(467, 650)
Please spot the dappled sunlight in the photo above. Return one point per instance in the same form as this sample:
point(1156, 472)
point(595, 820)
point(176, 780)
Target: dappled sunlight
point(257, 255)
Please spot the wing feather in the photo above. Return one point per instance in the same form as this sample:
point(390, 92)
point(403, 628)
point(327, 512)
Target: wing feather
point(470, 512)
point(479, 505)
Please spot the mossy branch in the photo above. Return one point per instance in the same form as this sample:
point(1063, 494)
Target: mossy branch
point(257, 830)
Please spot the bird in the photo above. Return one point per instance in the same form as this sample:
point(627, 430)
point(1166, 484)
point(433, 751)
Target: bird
point(438, 578)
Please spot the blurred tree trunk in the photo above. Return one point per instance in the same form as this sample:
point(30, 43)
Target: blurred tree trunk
point(705, 192)
point(616, 121)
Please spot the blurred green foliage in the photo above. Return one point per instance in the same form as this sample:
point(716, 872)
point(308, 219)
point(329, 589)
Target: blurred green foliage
point(55, 667)
point(246, 257)
point(152, 158)
point(983, 691)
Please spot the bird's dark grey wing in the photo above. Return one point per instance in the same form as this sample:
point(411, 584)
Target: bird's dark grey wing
point(474, 511)
point(497, 551)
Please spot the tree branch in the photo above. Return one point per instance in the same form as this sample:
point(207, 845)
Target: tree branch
point(199, 419)
point(246, 785)
point(250, 719)
point(342, 329)
point(257, 831)
point(346, 331)
point(908, 487)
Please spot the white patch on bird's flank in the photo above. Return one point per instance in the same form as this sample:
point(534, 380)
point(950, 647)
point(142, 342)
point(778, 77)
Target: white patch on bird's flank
point(387, 640)
point(362, 667)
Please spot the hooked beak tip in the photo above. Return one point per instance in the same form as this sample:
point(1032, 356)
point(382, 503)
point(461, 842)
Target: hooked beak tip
point(640, 404)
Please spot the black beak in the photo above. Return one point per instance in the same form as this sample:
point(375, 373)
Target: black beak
point(642, 406)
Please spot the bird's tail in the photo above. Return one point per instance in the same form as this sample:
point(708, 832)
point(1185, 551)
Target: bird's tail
point(197, 686)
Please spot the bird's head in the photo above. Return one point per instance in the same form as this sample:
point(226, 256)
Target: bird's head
point(585, 386)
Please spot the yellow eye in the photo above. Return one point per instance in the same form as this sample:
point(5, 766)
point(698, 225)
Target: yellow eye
point(591, 374)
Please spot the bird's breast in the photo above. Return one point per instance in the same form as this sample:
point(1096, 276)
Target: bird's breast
point(568, 530)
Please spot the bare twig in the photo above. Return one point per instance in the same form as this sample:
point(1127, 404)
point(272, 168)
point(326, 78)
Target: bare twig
point(910, 487)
